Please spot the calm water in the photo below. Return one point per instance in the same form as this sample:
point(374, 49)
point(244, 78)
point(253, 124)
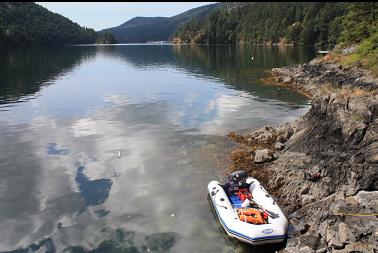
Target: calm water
point(110, 148)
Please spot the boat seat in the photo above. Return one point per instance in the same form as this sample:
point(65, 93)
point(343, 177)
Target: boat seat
point(236, 201)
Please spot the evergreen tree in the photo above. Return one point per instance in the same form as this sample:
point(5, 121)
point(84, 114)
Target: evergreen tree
point(360, 21)
point(29, 23)
point(302, 23)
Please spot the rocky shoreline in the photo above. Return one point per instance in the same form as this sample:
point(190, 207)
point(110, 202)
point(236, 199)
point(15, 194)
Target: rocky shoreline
point(323, 167)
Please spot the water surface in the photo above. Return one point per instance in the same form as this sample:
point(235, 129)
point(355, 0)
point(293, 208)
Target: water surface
point(110, 148)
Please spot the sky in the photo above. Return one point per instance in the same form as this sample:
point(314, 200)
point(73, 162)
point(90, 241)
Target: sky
point(99, 15)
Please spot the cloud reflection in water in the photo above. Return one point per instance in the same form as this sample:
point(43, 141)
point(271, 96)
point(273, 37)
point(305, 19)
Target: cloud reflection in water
point(159, 107)
point(94, 192)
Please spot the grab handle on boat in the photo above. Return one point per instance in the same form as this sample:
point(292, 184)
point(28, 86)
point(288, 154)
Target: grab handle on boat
point(225, 207)
point(213, 197)
point(214, 193)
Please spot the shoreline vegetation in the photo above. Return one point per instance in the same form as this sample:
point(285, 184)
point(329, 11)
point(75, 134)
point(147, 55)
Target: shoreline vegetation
point(311, 23)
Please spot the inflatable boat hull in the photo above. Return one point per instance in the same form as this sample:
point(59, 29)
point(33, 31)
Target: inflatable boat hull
point(273, 232)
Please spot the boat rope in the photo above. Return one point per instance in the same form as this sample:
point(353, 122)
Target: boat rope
point(358, 214)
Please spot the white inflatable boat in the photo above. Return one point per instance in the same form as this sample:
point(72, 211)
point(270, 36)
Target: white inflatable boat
point(257, 221)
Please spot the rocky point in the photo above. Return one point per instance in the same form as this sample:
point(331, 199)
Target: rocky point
point(323, 167)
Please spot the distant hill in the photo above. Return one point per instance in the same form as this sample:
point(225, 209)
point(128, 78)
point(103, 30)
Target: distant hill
point(30, 23)
point(143, 29)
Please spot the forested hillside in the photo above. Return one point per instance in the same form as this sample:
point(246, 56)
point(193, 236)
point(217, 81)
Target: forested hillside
point(360, 26)
point(30, 23)
point(319, 24)
point(322, 24)
point(310, 23)
point(143, 29)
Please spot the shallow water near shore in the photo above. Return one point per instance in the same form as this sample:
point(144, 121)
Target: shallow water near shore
point(110, 148)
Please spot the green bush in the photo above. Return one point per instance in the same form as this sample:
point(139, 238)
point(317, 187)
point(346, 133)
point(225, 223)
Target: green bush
point(360, 22)
point(369, 45)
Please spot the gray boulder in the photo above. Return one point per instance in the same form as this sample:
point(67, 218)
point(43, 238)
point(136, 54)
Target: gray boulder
point(263, 156)
point(279, 145)
point(371, 154)
point(287, 79)
point(333, 238)
point(344, 233)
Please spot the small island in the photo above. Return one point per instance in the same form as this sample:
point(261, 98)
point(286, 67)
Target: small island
point(106, 38)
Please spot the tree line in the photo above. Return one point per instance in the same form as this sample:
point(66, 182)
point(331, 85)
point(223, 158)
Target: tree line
point(30, 23)
point(322, 24)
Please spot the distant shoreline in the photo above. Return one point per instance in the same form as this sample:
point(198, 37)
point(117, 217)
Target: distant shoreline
point(189, 44)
